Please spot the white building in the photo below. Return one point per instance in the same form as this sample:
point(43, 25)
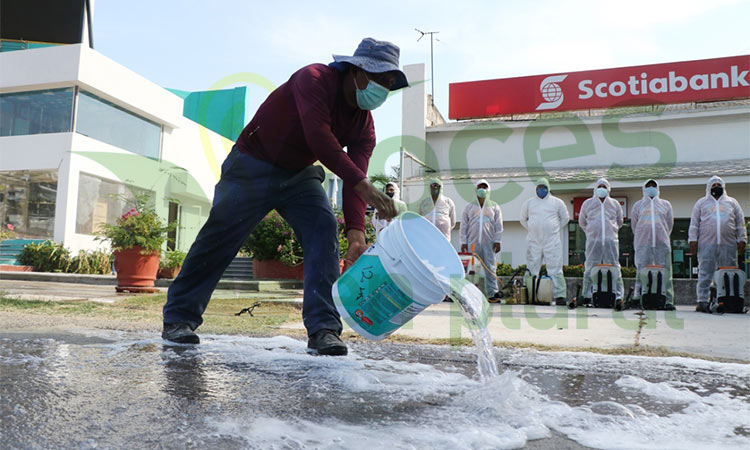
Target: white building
point(681, 145)
point(78, 131)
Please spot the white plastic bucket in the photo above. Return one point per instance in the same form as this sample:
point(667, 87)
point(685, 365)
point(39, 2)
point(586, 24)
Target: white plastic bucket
point(409, 268)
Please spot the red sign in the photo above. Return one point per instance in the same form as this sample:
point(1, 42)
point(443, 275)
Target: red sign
point(688, 81)
point(578, 201)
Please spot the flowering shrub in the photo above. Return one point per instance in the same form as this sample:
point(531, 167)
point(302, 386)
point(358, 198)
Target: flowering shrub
point(7, 232)
point(140, 226)
point(273, 238)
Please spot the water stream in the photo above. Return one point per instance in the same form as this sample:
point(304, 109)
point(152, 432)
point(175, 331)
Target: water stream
point(473, 306)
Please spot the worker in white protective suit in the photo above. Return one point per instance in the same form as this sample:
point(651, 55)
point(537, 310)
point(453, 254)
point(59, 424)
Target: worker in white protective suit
point(651, 221)
point(544, 215)
point(601, 218)
point(717, 233)
point(482, 227)
point(391, 190)
point(439, 209)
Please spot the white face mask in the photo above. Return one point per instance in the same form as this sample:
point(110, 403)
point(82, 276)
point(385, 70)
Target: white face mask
point(601, 192)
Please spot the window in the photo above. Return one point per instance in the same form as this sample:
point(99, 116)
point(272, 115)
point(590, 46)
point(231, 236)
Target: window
point(106, 122)
point(36, 112)
point(101, 201)
point(27, 202)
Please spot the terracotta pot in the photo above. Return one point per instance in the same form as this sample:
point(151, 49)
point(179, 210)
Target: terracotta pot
point(271, 268)
point(134, 269)
point(171, 272)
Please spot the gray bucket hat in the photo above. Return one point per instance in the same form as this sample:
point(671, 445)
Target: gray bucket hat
point(376, 57)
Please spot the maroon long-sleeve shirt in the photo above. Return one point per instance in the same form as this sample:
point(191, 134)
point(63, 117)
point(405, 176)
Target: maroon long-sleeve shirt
point(306, 120)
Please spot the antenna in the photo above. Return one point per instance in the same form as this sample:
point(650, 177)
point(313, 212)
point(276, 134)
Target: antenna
point(432, 67)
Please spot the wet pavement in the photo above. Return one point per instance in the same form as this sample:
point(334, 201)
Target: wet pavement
point(723, 336)
point(105, 389)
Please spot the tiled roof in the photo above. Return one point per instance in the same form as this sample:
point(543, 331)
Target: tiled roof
point(723, 168)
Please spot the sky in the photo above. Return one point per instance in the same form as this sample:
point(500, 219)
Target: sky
point(197, 45)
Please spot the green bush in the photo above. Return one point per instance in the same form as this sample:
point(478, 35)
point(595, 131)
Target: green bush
point(49, 256)
point(273, 238)
point(628, 272)
point(91, 262)
point(172, 259)
point(573, 271)
point(568, 271)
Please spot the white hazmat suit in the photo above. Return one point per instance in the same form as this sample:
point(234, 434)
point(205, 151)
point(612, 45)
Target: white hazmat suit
point(441, 212)
point(651, 220)
point(482, 226)
point(544, 218)
point(379, 223)
point(717, 225)
point(601, 220)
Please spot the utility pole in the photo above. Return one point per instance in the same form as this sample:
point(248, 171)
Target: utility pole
point(432, 66)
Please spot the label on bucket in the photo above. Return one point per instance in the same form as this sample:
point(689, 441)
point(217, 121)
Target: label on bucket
point(372, 301)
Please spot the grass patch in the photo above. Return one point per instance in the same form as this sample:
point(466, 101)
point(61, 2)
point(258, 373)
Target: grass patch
point(219, 317)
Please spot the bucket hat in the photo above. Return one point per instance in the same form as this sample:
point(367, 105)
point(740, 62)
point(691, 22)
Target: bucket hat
point(376, 57)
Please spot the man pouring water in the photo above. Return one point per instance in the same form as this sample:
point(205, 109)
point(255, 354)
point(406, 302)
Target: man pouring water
point(320, 110)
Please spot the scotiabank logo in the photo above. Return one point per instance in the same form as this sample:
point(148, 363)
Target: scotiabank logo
point(551, 92)
point(705, 80)
point(644, 85)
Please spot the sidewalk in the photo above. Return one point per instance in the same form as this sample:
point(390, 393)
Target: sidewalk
point(725, 336)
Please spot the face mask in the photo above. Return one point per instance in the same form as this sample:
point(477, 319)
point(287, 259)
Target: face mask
point(541, 192)
point(372, 96)
point(390, 194)
point(717, 191)
point(601, 192)
point(481, 193)
point(652, 191)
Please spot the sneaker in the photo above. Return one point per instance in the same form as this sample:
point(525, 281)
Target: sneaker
point(702, 307)
point(326, 342)
point(180, 333)
point(560, 301)
point(669, 307)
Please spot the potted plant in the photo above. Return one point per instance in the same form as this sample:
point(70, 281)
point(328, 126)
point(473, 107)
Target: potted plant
point(277, 253)
point(171, 263)
point(136, 239)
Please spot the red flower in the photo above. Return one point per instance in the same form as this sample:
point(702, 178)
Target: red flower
point(10, 227)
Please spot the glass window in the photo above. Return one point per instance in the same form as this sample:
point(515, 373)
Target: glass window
point(27, 202)
point(106, 122)
point(101, 201)
point(36, 112)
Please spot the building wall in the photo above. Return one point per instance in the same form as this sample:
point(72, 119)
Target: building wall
point(679, 135)
point(191, 155)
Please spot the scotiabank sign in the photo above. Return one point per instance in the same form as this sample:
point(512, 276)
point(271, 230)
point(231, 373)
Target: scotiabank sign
point(688, 81)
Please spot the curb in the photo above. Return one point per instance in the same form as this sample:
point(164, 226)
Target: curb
point(111, 280)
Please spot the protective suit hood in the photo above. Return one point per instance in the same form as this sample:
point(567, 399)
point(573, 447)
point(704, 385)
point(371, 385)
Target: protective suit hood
point(715, 179)
point(483, 181)
point(436, 180)
point(543, 182)
point(396, 190)
point(599, 182)
point(658, 188)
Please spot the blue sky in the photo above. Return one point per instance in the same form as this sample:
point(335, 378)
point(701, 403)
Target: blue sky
point(194, 44)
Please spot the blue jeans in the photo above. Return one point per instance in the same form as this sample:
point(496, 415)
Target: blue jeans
point(248, 189)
